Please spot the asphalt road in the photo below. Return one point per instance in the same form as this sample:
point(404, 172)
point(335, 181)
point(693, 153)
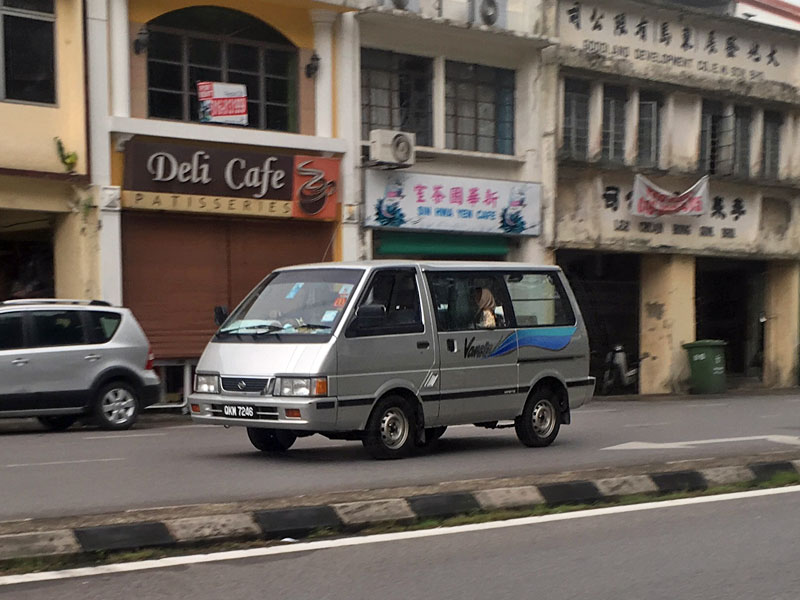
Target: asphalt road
point(729, 550)
point(85, 471)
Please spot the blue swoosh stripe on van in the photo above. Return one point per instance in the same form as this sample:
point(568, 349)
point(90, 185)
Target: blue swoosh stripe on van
point(548, 338)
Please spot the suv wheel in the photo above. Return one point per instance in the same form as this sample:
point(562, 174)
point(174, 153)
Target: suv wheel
point(58, 423)
point(116, 406)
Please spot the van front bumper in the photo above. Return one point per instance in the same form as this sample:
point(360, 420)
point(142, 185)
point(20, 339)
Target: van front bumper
point(316, 414)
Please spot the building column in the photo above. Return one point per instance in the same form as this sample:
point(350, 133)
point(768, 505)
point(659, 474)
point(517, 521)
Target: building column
point(323, 21)
point(75, 247)
point(120, 58)
point(596, 121)
point(756, 140)
point(632, 127)
point(782, 325)
point(667, 320)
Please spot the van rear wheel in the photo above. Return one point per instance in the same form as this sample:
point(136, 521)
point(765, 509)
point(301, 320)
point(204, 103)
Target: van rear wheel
point(271, 440)
point(390, 429)
point(540, 421)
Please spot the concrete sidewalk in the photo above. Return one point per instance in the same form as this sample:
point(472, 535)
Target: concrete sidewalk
point(352, 511)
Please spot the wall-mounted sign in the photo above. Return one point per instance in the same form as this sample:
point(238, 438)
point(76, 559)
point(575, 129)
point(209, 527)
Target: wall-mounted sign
point(177, 177)
point(675, 41)
point(401, 199)
point(222, 102)
point(649, 200)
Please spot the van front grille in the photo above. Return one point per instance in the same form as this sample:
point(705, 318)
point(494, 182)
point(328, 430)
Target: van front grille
point(247, 384)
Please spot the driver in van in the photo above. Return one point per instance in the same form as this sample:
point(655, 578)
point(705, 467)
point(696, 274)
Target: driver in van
point(484, 318)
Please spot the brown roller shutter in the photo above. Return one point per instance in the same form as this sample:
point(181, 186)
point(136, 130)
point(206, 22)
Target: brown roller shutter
point(177, 268)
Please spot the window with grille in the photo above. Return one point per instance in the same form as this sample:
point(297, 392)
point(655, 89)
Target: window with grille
point(649, 133)
point(396, 94)
point(216, 44)
point(742, 117)
point(479, 108)
point(614, 100)
point(27, 51)
point(770, 144)
point(576, 119)
point(711, 122)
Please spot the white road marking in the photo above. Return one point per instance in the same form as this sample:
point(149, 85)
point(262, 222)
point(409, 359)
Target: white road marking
point(293, 548)
point(588, 411)
point(705, 404)
point(61, 462)
point(121, 436)
point(648, 424)
point(790, 440)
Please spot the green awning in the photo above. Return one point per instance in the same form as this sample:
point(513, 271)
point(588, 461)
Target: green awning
point(401, 243)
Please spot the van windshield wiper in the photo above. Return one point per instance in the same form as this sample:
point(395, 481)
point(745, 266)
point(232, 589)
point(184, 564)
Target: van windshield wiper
point(254, 330)
point(313, 326)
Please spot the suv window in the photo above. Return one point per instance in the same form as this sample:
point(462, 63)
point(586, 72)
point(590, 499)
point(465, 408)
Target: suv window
point(102, 325)
point(11, 331)
point(57, 328)
point(469, 300)
point(539, 300)
point(396, 291)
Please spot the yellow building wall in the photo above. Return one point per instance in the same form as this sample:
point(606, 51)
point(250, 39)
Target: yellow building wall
point(28, 130)
point(782, 327)
point(76, 249)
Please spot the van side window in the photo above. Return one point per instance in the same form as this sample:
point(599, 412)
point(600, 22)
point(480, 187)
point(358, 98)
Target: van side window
point(395, 290)
point(469, 300)
point(11, 331)
point(57, 328)
point(539, 300)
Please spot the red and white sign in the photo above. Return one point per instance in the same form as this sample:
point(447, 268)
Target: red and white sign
point(222, 102)
point(649, 200)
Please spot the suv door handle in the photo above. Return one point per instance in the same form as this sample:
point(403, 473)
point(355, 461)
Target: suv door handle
point(452, 346)
point(423, 345)
point(19, 362)
point(92, 357)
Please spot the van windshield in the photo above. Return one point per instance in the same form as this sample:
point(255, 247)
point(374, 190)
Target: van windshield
point(302, 303)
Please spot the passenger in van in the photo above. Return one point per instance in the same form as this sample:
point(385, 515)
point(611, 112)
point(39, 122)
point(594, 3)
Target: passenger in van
point(484, 318)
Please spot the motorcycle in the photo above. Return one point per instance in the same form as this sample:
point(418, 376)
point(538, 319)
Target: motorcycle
point(618, 374)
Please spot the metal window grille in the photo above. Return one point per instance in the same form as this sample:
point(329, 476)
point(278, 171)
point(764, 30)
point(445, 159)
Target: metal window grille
point(178, 59)
point(576, 120)
point(614, 100)
point(27, 51)
point(710, 136)
point(770, 145)
point(741, 141)
point(396, 93)
point(649, 130)
point(479, 109)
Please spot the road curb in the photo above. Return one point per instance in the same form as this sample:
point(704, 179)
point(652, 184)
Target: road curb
point(276, 524)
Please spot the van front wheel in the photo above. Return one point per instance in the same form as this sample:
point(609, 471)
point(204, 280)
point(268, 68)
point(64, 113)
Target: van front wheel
point(271, 440)
point(390, 429)
point(540, 421)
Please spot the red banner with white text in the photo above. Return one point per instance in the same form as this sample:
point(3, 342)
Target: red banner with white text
point(649, 200)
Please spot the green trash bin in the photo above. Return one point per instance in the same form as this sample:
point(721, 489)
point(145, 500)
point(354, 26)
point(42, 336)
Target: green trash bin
point(707, 363)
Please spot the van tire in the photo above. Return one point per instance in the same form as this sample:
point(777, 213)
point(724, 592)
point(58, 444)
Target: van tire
point(391, 429)
point(57, 423)
point(116, 406)
point(271, 440)
point(540, 421)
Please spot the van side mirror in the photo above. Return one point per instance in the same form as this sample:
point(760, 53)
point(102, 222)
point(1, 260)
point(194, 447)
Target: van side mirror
point(220, 314)
point(370, 315)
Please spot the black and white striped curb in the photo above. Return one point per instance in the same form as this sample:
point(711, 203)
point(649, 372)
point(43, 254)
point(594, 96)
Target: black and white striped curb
point(296, 522)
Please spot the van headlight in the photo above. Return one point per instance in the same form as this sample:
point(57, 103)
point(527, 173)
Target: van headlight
point(206, 384)
point(301, 386)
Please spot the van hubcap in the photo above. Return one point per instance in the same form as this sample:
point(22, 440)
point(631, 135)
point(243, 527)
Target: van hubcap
point(394, 428)
point(118, 406)
point(544, 418)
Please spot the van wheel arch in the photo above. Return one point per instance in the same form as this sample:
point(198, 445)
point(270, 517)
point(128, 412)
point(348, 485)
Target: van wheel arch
point(559, 388)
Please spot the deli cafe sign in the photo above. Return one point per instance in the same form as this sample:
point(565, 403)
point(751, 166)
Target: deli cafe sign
point(187, 178)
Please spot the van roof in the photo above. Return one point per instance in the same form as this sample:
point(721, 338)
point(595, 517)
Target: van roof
point(430, 265)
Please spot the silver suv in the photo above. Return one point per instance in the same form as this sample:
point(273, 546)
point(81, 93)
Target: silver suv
point(61, 360)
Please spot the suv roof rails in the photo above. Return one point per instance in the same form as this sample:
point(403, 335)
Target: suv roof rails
point(56, 301)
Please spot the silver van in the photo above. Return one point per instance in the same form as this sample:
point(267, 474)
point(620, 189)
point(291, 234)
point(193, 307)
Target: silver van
point(392, 352)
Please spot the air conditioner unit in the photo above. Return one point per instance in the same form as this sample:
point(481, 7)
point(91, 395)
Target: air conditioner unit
point(388, 147)
point(491, 13)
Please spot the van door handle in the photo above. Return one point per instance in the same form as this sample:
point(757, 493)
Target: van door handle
point(452, 346)
point(423, 345)
point(19, 362)
point(92, 357)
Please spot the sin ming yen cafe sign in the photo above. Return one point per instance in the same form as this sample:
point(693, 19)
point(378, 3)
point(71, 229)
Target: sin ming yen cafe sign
point(184, 178)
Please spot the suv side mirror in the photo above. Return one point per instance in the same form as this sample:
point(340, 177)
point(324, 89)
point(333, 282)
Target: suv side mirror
point(220, 314)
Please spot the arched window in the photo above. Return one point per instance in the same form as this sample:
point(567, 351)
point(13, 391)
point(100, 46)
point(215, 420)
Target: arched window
point(217, 44)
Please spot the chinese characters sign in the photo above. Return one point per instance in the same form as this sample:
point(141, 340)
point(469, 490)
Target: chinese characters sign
point(222, 102)
point(438, 202)
point(649, 200)
point(661, 38)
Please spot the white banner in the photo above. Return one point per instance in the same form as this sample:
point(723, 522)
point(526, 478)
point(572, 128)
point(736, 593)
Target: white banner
point(649, 200)
point(222, 102)
point(438, 202)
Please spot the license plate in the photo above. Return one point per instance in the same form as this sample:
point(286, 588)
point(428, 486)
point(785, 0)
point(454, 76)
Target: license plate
point(238, 411)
